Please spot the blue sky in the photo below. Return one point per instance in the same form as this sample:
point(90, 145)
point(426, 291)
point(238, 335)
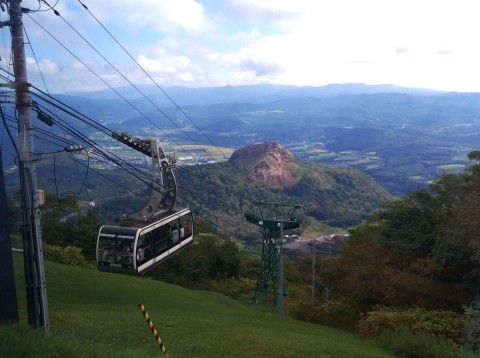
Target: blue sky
point(417, 43)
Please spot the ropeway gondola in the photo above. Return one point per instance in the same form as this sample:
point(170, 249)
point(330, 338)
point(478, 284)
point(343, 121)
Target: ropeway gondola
point(137, 242)
point(135, 247)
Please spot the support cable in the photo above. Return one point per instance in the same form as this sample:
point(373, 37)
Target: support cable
point(45, 84)
point(105, 130)
point(8, 131)
point(218, 185)
point(108, 85)
point(153, 80)
point(147, 182)
point(207, 218)
point(121, 162)
point(124, 77)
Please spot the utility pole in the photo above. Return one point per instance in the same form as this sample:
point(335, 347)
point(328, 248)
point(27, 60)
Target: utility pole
point(35, 282)
point(313, 269)
point(281, 307)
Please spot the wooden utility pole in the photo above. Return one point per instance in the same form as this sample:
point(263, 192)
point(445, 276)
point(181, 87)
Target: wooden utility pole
point(36, 288)
point(281, 308)
point(313, 269)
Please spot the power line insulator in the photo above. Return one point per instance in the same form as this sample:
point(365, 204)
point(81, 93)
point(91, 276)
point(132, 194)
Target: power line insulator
point(74, 148)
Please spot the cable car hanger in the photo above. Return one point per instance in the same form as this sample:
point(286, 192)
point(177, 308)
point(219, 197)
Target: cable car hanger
point(164, 185)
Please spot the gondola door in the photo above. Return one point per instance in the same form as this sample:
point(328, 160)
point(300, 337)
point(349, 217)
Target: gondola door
point(115, 247)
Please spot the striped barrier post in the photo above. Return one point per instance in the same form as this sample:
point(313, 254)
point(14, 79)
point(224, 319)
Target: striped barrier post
point(152, 328)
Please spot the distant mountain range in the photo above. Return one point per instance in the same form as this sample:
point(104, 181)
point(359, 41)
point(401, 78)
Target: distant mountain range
point(262, 93)
point(402, 137)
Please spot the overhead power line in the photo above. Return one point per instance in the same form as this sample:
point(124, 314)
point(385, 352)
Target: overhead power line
point(106, 83)
point(125, 78)
point(152, 79)
point(139, 174)
point(109, 156)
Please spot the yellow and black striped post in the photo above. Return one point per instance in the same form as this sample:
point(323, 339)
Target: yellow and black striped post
point(152, 328)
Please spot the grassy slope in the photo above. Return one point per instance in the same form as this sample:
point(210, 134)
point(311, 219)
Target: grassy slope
point(95, 314)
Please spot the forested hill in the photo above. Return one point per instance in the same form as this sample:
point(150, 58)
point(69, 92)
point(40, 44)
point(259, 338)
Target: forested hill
point(333, 195)
point(339, 196)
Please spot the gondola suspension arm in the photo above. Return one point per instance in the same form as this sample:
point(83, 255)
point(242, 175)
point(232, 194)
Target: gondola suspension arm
point(164, 185)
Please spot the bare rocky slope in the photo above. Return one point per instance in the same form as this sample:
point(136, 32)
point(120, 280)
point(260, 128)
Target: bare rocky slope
point(269, 163)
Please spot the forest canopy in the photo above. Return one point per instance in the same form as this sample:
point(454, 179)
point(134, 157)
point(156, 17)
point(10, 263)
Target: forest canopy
point(422, 250)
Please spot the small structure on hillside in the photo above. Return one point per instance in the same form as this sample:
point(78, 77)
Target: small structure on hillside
point(325, 245)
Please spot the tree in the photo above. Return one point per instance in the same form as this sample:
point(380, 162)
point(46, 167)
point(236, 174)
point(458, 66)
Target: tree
point(85, 233)
point(475, 155)
point(14, 216)
point(422, 250)
point(209, 258)
point(63, 224)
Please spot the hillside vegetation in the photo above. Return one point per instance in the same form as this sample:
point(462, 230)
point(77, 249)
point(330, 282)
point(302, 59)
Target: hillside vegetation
point(330, 195)
point(407, 276)
point(416, 259)
point(338, 196)
point(95, 314)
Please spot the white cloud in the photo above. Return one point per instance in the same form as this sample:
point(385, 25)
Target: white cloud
point(159, 15)
point(423, 43)
point(367, 41)
point(265, 10)
point(175, 69)
point(46, 66)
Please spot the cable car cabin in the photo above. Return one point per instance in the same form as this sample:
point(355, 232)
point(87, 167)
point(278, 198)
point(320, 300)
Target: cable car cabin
point(134, 247)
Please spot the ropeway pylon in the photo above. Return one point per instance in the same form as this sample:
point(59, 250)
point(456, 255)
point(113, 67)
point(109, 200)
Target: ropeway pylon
point(274, 219)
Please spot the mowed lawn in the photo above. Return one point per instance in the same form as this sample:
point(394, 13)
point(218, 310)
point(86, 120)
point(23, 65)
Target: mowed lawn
point(94, 314)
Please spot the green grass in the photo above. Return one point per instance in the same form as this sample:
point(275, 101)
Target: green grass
point(453, 168)
point(322, 156)
point(94, 314)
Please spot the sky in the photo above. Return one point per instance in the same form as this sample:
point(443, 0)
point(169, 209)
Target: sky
point(432, 44)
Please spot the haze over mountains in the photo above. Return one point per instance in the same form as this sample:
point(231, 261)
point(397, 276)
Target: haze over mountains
point(260, 93)
point(403, 137)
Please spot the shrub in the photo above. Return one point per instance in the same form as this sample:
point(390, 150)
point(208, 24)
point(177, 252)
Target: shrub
point(16, 240)
point(69, 255)
point(72, 255)
point(233, 287)
point(52, 252)
point(405, 343)
point(472, 327)
point(442, 324)
point(335, 314)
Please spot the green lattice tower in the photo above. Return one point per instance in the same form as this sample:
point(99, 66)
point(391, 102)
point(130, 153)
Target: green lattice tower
point(269, 277)
point(267, 283)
